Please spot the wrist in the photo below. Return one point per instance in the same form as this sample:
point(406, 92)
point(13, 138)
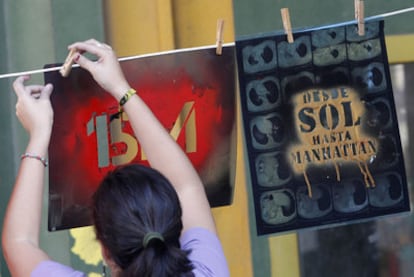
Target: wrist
point(120, 91)
point(127, 95)
point(38, 144)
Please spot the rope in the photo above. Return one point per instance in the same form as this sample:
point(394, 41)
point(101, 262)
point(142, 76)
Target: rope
point(375, 17)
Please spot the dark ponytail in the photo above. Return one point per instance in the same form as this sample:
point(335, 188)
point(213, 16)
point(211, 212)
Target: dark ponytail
point(159, 260)
point(134, 201)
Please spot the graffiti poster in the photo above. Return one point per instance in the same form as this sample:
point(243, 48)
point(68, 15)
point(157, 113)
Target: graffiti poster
point(320, 128)
point(192, 92)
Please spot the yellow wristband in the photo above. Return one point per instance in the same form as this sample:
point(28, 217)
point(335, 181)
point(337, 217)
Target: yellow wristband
point(126, 96)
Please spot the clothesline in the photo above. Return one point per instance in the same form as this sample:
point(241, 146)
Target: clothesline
point(56, 68)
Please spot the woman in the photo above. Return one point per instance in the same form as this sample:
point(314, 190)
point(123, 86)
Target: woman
point(149, 221)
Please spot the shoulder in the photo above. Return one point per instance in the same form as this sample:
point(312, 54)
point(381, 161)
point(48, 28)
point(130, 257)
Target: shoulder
point(52, 268)
point(206, 254)
point(198, 235)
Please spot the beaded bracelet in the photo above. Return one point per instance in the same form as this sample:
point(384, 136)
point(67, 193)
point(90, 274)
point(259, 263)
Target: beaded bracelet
point(126, 96)
point(34, 156)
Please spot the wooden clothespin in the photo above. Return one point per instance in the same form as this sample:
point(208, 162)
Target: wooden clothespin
point(360, 16)
point(356, 9)
point(286, 24)
point(219, 36)
point(67, 65)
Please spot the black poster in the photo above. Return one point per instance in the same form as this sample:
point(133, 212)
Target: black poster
point(320, 127)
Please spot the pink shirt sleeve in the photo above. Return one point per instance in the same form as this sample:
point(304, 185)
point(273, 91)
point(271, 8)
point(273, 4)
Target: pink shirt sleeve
point(206, 254)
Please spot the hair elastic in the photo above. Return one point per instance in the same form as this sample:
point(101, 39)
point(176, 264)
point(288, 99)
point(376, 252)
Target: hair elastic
point(150, 236)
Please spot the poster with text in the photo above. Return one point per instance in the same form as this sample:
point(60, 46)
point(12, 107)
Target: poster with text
point(192, 92)
point(321, 128)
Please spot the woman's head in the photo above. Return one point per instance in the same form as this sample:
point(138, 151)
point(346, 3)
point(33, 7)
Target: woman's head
point(137, 217)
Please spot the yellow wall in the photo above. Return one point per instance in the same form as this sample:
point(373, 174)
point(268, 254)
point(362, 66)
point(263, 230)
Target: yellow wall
point(139, 26)
point(400, 48)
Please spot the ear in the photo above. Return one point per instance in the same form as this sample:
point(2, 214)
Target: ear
point(107, 259)
point(105, 253)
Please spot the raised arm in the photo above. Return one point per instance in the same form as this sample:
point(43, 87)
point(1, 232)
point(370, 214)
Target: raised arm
point(163, 153)
point(21, 226)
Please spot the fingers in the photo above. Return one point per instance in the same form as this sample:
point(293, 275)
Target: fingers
point(34, 88)
point(18, 84)
point(98, 43)
point(106, 71)
point(83, 62)
point(22, 90)
point(46, 91)
point(92, 46)
point(88, 47)
point(36, 91)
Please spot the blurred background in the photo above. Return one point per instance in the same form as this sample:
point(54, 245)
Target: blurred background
point(36, 33)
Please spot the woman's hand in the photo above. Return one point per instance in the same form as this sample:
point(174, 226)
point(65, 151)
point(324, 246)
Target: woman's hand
point(21, 227)
point(33, 108)
point(106, 70)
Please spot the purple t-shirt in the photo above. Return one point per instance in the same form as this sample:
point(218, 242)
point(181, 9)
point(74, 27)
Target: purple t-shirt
point(206, 255)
